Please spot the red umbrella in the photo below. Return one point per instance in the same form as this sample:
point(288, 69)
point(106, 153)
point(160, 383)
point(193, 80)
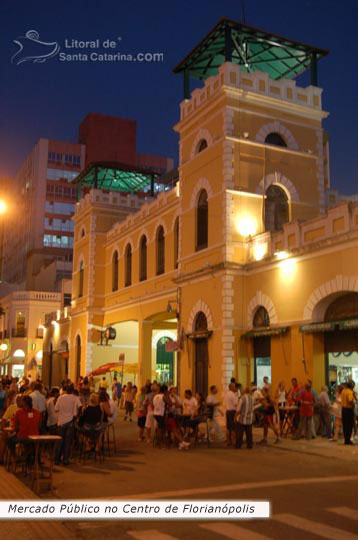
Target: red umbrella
point(105, 369)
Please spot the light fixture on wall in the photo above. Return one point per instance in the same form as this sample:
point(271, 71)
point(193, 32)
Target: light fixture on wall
point(280, 255)
point(246, 134)
point(246, 226)
point(260, 251)
point(169, 305)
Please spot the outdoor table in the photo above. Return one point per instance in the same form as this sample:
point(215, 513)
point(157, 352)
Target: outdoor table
point(42, 441)
point(287, 424)
point(8, 430)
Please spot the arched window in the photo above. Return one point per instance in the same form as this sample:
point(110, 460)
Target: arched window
point(82, 232)
point(201, 372)
point(143, 258)
point(160, 251)
point(202, 221)
point(201, 323)
point(115, 271)
point(201, 146)
point(276, 208)
point(80, 280)
point(276, 139)
point(261, 318)
point(128, 266)
point(176, 242)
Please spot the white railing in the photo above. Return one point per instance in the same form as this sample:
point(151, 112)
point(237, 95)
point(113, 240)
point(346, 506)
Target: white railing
point(258, 82)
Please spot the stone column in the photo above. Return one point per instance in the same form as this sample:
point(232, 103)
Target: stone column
point(145, 330)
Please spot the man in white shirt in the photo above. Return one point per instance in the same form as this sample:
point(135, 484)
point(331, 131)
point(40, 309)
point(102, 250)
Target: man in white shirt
point(230, 402)
point(38, 399)
point(243, 419)
point(66, 408)
point(213, 405)
point(39, 403)
point(159, 405)
point(190, 404)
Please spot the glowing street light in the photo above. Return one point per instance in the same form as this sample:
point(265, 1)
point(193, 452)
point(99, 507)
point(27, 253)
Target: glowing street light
point(3, 207)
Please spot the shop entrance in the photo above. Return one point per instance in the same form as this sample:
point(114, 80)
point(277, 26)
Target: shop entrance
point(165, 362)
point(262, 356)
point(341, 343)
point(262, 347)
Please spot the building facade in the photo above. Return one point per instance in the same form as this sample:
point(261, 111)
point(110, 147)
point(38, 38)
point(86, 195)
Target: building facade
point(240, 265)
point(41, 229)
point(22, 330)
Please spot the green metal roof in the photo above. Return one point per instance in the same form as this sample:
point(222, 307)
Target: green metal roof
point(253, 49)
point(113, 176)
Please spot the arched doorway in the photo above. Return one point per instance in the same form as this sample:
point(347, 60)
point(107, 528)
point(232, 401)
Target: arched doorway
point(262, 347)
point(165, 362)
point(78, 359)
point(341, 341)
point(201, 371)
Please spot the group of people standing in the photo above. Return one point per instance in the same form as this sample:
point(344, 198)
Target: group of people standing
point(32, 410)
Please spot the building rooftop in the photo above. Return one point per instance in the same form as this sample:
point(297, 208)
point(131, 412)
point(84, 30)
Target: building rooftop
point(113, 176)
point(253, 49)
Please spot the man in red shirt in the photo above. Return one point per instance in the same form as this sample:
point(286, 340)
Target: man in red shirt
point(306, 413)
point(26, 422)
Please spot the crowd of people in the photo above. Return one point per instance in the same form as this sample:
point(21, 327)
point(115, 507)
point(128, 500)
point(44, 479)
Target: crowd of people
point(164, 416)
point(31, 409)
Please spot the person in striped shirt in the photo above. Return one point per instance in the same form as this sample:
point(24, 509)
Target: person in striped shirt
point(244, 418)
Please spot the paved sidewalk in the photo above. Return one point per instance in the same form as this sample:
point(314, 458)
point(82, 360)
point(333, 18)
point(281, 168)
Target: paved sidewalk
point(13, 489)
point(317, 447)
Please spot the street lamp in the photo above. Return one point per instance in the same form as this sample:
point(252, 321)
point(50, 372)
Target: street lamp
point(3, 207)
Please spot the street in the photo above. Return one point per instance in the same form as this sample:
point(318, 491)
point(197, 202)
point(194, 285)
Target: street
point(309, 493)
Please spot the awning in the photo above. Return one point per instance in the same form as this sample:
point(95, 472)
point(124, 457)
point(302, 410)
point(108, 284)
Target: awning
point(318, 327)
point(261, 332)
point(348, 324)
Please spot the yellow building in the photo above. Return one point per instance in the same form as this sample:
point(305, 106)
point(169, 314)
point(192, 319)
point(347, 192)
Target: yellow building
point(22, 320)
point(240, 264)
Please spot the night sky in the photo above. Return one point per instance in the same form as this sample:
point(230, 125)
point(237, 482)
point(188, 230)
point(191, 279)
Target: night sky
point(50, 99)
